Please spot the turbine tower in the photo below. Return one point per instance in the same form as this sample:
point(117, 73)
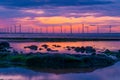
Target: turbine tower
point(20, 28)
point(15, 28)
point(87, 29)
point(110, 29)
point(71, 29)
point(61, 28)
point(83, 28)
point(53, 30)
point(98, 30)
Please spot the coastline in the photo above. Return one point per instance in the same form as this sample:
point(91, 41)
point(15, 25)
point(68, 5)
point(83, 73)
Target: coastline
point(57, 37)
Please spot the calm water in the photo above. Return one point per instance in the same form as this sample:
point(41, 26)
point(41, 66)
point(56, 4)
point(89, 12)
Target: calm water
point(108, 73)
point(99, 45)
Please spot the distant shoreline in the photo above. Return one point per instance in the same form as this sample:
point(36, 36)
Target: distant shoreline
point(53, 39)
point(57, 37)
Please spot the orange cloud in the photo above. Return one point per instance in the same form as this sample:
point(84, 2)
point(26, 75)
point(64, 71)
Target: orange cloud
point(63, 20)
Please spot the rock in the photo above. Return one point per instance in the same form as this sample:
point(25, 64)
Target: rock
point(90, 49)
point(62, 61)
point(40, 49)
point(34, 61)
point(77, 49)
point(68, 48)
point(113, 57)
point(32, 47)
point(48, 49)
point(4, 45)
point(45, 46)
point(97, 61)
point(107, 51)
point(93, 54)
point(82, 49)
point(118, 51)
point(73, 47)
point(56, 46)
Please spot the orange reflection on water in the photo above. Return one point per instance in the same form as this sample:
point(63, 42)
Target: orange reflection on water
point(100, 45)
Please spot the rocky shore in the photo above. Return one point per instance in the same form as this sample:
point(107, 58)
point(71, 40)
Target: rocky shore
point(57, 61)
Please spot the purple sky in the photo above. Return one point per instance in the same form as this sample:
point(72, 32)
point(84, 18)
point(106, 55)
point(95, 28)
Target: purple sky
point(55, 12)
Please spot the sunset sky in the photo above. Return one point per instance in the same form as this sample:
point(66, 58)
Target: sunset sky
point(42, 13)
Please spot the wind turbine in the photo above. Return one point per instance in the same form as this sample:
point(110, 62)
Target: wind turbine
point(83, 28)
point(110, 29)
point(87, 27)
point(20, 28)
point(98, 29)
point(71, 29)
point(61, 28)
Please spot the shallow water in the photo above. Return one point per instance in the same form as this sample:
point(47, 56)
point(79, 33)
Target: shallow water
point(98, 45)
point(16, 73)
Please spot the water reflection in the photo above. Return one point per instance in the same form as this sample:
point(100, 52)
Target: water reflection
point(109, 73)
point(64, 71)
point(60, 46)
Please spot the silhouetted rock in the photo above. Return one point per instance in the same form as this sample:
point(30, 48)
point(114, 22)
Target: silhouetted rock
point(4, 45)
point(56, 46)
point(119, 51)
point(117, 54)
point(68, 48)
point(58, 61)
point(40, 49)
point(82, 49)
point(93, 54)
point(73, 47)
point(49, 49)
point(107, 51)
point(45, 45)
point(32, 47)
point(77, 49)
point(90, 49)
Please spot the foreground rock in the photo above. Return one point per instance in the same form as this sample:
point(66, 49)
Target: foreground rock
point(56, 61)
point(68, 61)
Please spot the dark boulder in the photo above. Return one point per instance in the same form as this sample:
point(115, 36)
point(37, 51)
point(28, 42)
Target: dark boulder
point(68, 48)
point(32, 47)
point(57, 46)
point(73, 47)
point(44, 46)
point(58, 61)
point(40, 49)
point(77, 49)
point(51, 50)
point(90, 49)
point(107, 51)
point(4, 45)
point(82, 49)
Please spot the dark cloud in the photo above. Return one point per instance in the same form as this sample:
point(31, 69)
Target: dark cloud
point(67, 8)
point(38, 3)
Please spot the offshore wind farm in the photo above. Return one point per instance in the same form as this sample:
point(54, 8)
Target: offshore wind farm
point(81, 32)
